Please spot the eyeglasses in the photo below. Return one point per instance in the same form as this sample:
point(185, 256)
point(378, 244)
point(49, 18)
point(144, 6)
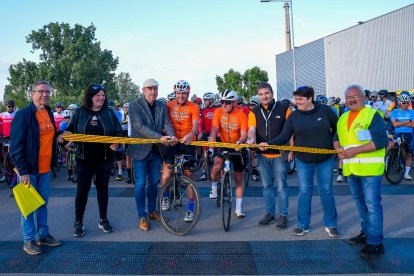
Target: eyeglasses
point(98, 87)
point(352, 98)
point(403, 102)
point(10, 106)
point(47, 92)
point(226, 102)
point(67, 117)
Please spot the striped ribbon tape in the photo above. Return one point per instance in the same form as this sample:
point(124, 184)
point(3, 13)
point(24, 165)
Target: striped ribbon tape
point(122, 140)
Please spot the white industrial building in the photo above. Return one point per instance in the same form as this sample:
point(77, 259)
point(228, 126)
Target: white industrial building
point(377, 54)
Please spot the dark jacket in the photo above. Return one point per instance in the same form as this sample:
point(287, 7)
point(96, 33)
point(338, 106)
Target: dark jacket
point(110, 122)
point(25, 140)
point(269, 123)
point(143, 125)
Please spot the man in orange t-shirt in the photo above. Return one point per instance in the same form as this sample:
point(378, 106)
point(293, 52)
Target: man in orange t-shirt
point(32, 151)
point(184, 117)
point(231, 123)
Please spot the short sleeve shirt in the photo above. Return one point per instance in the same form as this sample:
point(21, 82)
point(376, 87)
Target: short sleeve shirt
point(230, 124)
point(182, 117)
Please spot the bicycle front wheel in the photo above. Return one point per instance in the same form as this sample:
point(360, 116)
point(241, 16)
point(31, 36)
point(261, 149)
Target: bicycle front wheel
point(181, 195)
point(226, 201)
point(394, 167)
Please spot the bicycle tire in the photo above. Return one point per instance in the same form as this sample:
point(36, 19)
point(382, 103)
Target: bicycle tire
point(8, 169)
point(226, 201)
point(248, 170)
point(173, 219)
point(394, 167)
point(59, 161)
point(71, 164)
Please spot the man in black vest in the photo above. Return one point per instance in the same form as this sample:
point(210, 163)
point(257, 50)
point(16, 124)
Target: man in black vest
point(266, 121)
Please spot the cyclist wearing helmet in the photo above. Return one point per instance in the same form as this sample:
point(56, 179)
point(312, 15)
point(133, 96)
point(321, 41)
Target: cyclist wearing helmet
point(198, 101)
point(125, 125)
point(402, 120)
point(253, 102)
point(6, 118)
point(265, 123)
point(118, 152)
point(72, 107)
point(394, 105)
point(231, 124)
point(184, 116)
point(58, 114)
point(171, 96)
point(206, 117)
point(67, 115)
point(242, 107)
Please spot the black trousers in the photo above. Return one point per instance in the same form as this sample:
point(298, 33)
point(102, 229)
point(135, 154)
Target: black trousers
point(85, 170)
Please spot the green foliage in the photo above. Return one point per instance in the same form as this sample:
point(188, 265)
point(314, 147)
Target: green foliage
point(70, 58)
point(245, 85)
point(127, 90)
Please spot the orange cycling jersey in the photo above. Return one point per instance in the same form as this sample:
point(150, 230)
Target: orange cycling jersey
point(230, 124)
point(182, 117)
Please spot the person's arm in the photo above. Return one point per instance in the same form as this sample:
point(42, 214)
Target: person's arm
point(18, 143)
point(285, 135)
point(251, 133)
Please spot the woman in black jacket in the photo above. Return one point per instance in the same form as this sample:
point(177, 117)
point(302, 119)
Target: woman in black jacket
point(94, 118)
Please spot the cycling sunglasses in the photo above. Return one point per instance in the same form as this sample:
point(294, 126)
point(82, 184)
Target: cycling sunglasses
point(403, 102)
point(98, 87)
point(226, 102)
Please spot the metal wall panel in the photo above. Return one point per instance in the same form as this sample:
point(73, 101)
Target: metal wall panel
point(378, 54)
point(310, 69)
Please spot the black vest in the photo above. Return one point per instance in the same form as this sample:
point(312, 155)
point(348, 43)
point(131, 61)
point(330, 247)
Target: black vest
point(275, 124)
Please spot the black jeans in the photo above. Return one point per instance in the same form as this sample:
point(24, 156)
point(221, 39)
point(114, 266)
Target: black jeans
point(85, 171)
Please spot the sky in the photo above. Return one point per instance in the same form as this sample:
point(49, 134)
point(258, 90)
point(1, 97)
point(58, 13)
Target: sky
point(194, 40)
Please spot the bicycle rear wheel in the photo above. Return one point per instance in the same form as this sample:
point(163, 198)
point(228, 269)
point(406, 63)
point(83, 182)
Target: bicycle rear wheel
point(179, 195)
point(226, 201)
point(394, 166)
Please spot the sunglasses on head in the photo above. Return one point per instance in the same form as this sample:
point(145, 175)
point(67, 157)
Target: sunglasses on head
point(226, 102)
point(98, 87)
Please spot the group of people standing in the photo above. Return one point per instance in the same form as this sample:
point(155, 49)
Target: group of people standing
point(359, 135)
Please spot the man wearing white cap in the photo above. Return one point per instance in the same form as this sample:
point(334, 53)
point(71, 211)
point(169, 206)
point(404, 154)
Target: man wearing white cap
point(148, 118)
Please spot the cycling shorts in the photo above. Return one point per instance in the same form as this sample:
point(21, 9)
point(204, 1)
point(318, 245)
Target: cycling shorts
point(239, 164)
point(179, 148)
point(408, 136)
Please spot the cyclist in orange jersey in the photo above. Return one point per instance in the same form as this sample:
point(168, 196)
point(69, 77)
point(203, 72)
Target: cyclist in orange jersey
point(184, 116)
point(231, 123)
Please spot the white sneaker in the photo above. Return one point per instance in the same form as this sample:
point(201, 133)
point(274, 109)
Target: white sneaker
point(165, 204)
point(189, 216)
point(239, 213)
point(213, 193)
point(203, 177)
point(339, 178)
point(254, 177)
point(408, 177)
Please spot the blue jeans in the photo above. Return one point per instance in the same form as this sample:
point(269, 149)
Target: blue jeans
point(273, 173)
point(36, 222)
point(324, 175)
point(366, 192)
point(147, 176)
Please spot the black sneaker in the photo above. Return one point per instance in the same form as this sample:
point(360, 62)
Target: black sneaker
point(49, 240)
point(300, 232)
point(281, 222)
point(267, 220)
point(105, 226)
point(371, 250)
point(79, 230)
point(332, 232)
point(32, 248)
point(360, 239)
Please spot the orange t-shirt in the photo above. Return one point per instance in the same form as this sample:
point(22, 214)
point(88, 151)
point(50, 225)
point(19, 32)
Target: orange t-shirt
point(351, 117)
point(230, 124)
point(47, 133)
point(182, 117)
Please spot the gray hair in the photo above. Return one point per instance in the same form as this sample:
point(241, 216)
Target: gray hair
point(355, 87)
point(36, 84)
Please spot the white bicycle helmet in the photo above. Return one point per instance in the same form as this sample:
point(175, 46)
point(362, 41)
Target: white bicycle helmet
point(67, 113)
point(254, 100)
point(209, 96)
point(374, 94)
point(164, 100)
point(182, 86)
point(229, 95)
point(72, 106)
point(403, 98)
point(171, 96)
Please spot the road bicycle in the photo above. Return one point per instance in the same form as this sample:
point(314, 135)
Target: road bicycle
point(225, 189)
point(395, 161)
point(179, 191)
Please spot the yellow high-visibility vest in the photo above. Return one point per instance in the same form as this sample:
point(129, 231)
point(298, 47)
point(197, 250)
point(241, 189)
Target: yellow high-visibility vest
point(363, 164)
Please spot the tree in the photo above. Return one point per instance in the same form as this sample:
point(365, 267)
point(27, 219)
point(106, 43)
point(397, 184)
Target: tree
point(246, 84)
point(126, 89)
point(70, 58)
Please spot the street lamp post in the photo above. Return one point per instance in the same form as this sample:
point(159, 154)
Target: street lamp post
point(292, 34)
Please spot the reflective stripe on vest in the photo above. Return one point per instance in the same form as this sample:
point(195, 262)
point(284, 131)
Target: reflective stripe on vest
point(363, 164)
